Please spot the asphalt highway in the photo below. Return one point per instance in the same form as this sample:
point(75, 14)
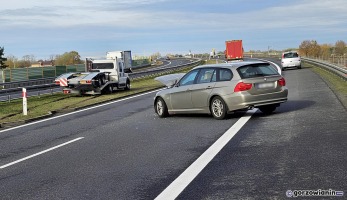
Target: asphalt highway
point(167, 64)
point(122, 150)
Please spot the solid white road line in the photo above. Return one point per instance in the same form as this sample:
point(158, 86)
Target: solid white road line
point(78, 111)
point(42, 152)
point(178, 185)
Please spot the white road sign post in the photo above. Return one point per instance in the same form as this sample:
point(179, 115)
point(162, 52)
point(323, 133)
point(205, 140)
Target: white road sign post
point(25, 106)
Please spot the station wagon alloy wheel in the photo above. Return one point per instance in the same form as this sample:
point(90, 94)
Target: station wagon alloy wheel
point(218, 108)
point(160, 108)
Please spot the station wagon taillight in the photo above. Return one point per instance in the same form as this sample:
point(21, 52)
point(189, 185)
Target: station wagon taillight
point(242, 87)
point(282, 82)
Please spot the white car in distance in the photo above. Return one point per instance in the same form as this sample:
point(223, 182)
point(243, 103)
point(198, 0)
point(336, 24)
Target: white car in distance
point(290, 59)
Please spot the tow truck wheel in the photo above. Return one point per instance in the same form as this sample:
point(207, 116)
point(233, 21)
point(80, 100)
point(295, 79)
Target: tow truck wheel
point(81, 92)
point(127, 85)
point(109, 89)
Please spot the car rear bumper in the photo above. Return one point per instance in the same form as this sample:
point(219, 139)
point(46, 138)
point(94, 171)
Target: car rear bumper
point(244, 100)
point(291, 64)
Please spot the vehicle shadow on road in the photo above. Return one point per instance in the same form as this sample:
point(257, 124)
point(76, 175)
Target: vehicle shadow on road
point(202, 116)
point(289, 106)
point(209, 116)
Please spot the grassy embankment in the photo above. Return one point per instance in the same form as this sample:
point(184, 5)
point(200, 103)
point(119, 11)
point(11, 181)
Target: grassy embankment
point(46, 104)
point(336, 83)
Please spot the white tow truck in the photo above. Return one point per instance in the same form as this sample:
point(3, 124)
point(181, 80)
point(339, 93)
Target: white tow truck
point(102, 76)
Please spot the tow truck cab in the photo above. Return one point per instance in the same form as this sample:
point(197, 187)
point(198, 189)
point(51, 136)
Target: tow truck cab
point(102, 77)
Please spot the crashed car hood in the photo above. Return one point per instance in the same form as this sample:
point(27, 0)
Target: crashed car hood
point(170, 79)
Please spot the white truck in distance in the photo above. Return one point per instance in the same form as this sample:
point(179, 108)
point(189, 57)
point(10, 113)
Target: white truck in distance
point(102, 76)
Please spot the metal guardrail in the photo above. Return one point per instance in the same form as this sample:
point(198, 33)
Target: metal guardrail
point(340, 71)
point(32, 91)
point(158, 71)
point(13, 89)
point(17, 84)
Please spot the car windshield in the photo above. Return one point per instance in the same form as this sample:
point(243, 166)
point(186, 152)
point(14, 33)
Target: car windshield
point(290, 55)
point(251, 71)
point(102, 66)
point(189, 78)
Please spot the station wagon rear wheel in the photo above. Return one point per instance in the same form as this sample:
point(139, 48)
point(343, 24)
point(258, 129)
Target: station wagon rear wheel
point(218, 108)
point(161, 108)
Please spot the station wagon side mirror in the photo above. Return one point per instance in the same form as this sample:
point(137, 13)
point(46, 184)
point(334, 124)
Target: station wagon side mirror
point(175, 84)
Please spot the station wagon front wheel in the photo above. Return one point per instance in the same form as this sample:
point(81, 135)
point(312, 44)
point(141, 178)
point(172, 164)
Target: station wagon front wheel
point(218, 108)
point(161, 108)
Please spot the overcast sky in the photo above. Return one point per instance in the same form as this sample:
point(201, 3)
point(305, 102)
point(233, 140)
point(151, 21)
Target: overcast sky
point(49, 27)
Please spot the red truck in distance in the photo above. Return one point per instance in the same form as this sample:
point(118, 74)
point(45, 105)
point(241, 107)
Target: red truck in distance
point(233, 50)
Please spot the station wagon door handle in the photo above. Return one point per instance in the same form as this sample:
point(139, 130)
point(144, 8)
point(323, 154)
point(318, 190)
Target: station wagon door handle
point(209, 87)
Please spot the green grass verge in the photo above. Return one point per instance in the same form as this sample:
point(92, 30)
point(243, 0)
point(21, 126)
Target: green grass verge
point(43, 105)
point(39, 106)
point(337, 84)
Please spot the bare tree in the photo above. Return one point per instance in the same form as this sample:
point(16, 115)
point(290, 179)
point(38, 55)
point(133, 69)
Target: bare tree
point(304, 47)
point(326, 51)
point(340, 48)
point(309, 48)
point(68, 58)
point(26, 61)
point(12, 61)
point(314, 49)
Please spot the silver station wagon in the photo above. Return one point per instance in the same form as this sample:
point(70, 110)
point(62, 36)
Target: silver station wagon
point(222, 88)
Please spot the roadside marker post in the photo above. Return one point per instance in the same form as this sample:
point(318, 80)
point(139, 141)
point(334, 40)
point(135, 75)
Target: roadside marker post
point(25, 106)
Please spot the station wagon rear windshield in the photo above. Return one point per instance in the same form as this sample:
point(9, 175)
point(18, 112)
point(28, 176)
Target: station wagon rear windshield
point(102, 66)
point(257, 70)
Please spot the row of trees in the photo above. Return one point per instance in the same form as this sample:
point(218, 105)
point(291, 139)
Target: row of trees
point(311, 48)
point(308, 48)
point(68, 58)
